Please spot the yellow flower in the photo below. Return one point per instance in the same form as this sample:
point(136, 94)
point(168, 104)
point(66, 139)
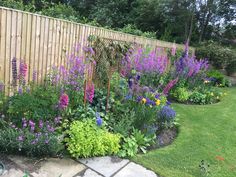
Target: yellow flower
point(158, 102)
point(143, 100)
point(212, 94)
point(217, 97)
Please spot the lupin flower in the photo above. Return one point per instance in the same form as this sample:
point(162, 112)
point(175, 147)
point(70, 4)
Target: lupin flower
point(1, 86)
point(20, 90)
point(63, 101)
point(34, 76)
point(14, 72)
point(22, 72)
point(90, 92)
point(98, 119)
point(169, 86)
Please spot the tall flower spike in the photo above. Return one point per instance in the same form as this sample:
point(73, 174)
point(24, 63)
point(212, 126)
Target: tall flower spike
point(64, 101)
point(14, 72)
point(90, 91)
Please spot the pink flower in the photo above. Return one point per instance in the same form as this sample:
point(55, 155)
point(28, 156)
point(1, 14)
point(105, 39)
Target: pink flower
point(64, 101)
point(169, 86)
point(90, 92)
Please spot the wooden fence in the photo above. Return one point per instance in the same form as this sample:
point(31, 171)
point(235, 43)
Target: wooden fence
point(43, 42)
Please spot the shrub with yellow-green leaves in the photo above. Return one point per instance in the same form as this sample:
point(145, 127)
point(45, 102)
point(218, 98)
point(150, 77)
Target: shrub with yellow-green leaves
point(86, 139)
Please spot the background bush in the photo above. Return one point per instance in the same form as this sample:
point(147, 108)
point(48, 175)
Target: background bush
point(218, 55)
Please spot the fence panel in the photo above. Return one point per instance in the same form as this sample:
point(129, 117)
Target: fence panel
point(43, 42)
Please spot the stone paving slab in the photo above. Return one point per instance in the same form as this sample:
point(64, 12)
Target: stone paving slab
point(135, 170)
point(89, 173)
point(13, 173)
point(59, 167)
point(106, 166)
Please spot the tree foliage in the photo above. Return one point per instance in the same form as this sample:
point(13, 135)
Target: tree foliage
point(171, 20)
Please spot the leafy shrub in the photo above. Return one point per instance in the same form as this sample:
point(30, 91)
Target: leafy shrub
point(129, 147)
point(136, 142)
point(217, 78)
point(132, 29)
point(26, 141)
point(197, 97)
point(40, 103)
point(218, 55)
point(231, 67)
point(181, 94)
point(206, 96)
point(86, 139)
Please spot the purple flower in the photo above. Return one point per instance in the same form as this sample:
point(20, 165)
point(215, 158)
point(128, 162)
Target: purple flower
point(40, 124)
point(167, 113)
point(1, 86)
point(90, 92)
point(46, 141)
point(32, 125)
point(22, 72)
point(20, 90)
point(98, 119)
point(34, 76)
point(169, 86)
point(20, 138)
point(57, 120)
point(63, 101)
point(24, 123)
point(139, 98)
point(14, 72)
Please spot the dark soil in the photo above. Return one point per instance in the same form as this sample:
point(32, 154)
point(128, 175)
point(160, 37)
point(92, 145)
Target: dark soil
point(166, 137)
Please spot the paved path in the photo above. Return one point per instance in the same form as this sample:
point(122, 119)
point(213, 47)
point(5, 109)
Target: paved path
point(16, 166)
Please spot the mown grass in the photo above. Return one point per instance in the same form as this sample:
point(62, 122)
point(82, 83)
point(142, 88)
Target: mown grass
point(206, 133)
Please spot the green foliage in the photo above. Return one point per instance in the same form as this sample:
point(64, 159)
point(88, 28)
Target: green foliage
point(129, 147)
point(231, 67)
point(181, 94)
point(108, 57)
point(9, 143)
point(136, 142)
point(143, 141)
point(132, 29)
point(119, 86)
point(41, 102)
point(62, 11)
point(218, 55)
point(218, 79)
point(205, 96)
point(86, 139)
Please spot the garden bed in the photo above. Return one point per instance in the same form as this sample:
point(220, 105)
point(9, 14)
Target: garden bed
point(102, 103)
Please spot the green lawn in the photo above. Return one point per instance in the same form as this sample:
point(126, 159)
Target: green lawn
point(206, 133)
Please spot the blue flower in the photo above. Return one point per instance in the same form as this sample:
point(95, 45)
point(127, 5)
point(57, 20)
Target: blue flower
point(167, 113)
point(128, 96)
point(98, 119)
